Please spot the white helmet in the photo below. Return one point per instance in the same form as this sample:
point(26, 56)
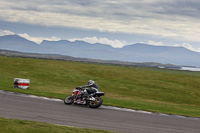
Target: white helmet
point(91, 82)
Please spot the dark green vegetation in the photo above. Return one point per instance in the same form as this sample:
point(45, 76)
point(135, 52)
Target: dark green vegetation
point(156, 90)
point(21, 126)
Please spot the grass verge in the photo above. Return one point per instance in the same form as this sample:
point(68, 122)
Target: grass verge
point(23, 126)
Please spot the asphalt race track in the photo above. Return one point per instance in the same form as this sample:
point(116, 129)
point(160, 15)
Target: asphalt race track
point(51, 111)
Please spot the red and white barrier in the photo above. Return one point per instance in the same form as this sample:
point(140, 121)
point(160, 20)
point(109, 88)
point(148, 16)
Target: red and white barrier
point(21, 83)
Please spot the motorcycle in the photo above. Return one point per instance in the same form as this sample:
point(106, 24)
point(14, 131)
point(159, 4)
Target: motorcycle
point(80, 95)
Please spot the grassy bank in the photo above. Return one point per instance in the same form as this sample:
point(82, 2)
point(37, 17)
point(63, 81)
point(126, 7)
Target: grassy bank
point(22, 126)
point(157, 90)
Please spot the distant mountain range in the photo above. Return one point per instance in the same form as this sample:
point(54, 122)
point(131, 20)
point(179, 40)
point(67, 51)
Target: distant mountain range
point(132, 53)
point(10, 53)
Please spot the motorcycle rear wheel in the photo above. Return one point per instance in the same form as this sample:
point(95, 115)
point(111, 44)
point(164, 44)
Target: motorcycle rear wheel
point(69, 100)
point(95, 104)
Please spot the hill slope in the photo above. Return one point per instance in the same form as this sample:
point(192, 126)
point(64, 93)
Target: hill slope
point(156, 90)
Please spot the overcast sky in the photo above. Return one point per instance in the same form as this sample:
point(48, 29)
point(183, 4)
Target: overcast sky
point(113, 22)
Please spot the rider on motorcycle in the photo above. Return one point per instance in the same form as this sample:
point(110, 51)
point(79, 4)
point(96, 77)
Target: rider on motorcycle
point(93, 88)
point(86, 95)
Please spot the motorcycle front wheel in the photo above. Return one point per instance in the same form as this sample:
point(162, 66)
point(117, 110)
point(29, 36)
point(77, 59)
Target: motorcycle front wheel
point(95, 104)
point(69, 100)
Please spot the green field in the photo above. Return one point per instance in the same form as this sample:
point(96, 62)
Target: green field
point(150, 89)
point(22, 126)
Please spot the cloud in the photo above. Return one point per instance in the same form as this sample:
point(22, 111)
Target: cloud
point(177, 19)
point(153, 43)
point(188, 46)
point(38, 40)
point(6, 32)
point(92, 40)
point(185, 45)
